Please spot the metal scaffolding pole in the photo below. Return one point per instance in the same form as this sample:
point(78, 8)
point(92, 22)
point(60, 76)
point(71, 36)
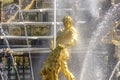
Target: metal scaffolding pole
point(55, 23)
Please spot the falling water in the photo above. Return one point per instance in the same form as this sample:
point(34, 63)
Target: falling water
point(7, 43)
point(26, 8)
point(8, 46)
point(1, 73)
point(109, 19)
point(113, 72)
point(2, 31)
point(26, 35)
point(25, 29)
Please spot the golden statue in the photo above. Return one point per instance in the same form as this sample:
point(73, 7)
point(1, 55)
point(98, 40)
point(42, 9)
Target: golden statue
point(57, 60)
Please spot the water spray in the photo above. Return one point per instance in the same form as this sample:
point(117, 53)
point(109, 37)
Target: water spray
point(26, 35)
point(113, 72)
point(109, 19)
point(8, 46)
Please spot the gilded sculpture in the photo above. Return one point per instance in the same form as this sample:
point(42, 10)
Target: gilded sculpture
point(57, 59)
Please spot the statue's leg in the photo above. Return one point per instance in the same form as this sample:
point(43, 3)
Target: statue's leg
point(48, 74)
point(66, 72)
point(54, 75)
point(43, 74)
point(55, 70)
point(51, 72)
point(51, 67)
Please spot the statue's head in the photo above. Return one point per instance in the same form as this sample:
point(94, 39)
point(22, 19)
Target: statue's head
point(67, 21)
point(67, 18)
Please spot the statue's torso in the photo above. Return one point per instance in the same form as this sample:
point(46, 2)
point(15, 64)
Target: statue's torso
point(64, 36)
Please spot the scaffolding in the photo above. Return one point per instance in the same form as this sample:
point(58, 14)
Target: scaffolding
point(23, 22)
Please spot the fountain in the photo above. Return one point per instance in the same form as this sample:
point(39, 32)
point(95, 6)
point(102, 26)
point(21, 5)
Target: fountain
point(26, 35)
point(108, 21)
point(11, 55)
